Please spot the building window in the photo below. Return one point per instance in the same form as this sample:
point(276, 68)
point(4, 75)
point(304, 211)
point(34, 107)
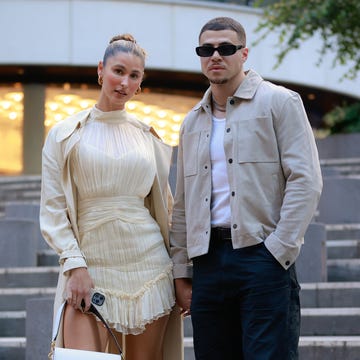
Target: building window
point(165, 112)
point(11, 129)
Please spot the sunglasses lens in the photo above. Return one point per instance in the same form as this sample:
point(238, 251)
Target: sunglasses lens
point(226, 50)
point(205, 51)
point(223, 50)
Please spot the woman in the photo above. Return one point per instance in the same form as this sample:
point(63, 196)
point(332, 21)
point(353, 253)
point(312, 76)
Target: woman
point(104, 209)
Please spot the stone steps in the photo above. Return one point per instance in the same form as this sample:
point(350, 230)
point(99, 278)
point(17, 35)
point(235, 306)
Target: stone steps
point(25, 277)
point(14, 299)
point(343, 249)
point(329, 347)
point(348, 231)
point(19, 188)
point(47, 257)
point(330, 310)
point(343, 269)
point(12, 323)
point(318, 322)
point(312, 348)
point(341, 166)
point(13, 348)
point(330, 295)
point(321, 303)
point(330, 321)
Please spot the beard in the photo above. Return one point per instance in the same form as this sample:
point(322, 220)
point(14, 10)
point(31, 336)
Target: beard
point(218, 81)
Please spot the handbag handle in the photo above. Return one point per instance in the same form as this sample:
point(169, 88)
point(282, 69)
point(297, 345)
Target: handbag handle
point(92, 310)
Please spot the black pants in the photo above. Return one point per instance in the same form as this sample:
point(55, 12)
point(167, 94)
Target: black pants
point(245, 305)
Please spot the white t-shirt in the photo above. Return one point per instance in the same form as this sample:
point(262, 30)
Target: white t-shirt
point(220, 192)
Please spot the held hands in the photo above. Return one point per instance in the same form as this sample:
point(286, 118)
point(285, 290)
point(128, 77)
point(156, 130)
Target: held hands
point(183, 290)
point(78, 288)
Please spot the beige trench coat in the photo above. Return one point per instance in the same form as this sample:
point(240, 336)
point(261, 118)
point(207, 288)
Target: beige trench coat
point(58, 210)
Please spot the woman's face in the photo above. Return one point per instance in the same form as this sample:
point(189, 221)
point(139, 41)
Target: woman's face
point(122, 75)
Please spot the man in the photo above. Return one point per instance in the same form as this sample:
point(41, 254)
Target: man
point(248, 184)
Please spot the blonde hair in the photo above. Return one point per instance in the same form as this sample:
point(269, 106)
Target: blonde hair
point(124, 43)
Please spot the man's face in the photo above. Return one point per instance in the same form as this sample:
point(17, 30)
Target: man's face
point(222, 69)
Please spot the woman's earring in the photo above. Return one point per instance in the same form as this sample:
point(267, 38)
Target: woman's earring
point(100, 80)
point(138, 91)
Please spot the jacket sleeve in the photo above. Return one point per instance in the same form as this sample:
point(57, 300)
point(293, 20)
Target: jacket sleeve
point(303, 181)
point(55, 225)
point(182, 267)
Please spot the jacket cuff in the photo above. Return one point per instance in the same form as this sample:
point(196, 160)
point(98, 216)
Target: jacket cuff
point(285, 254)
point(182, 271)
point(73, 263)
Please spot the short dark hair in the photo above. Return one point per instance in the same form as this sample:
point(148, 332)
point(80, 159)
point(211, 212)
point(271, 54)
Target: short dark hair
point(225, 23)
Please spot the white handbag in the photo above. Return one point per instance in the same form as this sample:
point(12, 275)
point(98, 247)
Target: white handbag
point(58, 353)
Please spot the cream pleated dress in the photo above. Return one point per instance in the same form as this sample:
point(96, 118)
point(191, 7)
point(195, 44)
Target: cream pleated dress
point(114, 168)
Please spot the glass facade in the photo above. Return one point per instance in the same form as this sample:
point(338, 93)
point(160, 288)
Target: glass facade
point(11, 129)
point(165, 112)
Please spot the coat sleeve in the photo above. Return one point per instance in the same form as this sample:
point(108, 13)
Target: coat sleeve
point(55, 225)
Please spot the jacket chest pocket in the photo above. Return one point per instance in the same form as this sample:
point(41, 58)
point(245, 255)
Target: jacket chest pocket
point(256, 141)
point(191, 143)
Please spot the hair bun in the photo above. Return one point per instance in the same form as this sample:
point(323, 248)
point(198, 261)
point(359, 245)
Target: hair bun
point(125, 37)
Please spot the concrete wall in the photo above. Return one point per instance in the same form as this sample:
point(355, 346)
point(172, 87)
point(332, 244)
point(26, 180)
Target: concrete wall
point(75, 32)
point(339, 146)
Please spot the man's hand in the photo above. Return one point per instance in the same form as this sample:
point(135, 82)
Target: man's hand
point(183, 291)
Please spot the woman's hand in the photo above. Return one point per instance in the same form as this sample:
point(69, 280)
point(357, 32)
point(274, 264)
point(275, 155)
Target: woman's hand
point(183, 291)
point(78, 288)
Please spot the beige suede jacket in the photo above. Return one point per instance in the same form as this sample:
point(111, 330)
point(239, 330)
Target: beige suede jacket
point(273, 170)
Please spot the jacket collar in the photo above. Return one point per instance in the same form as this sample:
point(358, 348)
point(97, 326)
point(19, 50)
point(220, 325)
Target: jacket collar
point(249, 85)
point(68, 126)
point(246, 90)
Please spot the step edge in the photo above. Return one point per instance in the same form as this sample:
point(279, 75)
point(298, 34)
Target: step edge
point(330, 311)
point(27, 290)
point(29, 269)
point(13, 314)
point(14, 342)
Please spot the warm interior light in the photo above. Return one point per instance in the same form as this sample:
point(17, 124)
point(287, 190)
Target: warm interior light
point(165, 121)
point(162, 111)
point(11, 115)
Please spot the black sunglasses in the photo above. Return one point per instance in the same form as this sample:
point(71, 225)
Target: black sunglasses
point(223, 50)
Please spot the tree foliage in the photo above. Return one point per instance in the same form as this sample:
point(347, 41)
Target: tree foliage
point(336, 21)
point(343, 119)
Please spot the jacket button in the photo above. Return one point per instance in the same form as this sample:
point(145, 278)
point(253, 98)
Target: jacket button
point(234, 226)
point(233, 193)
point(230, 161)
point(228, 130)
point(232, 102)
point(287, 263)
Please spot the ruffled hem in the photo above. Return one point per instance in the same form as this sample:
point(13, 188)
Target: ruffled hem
point(130, 313)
